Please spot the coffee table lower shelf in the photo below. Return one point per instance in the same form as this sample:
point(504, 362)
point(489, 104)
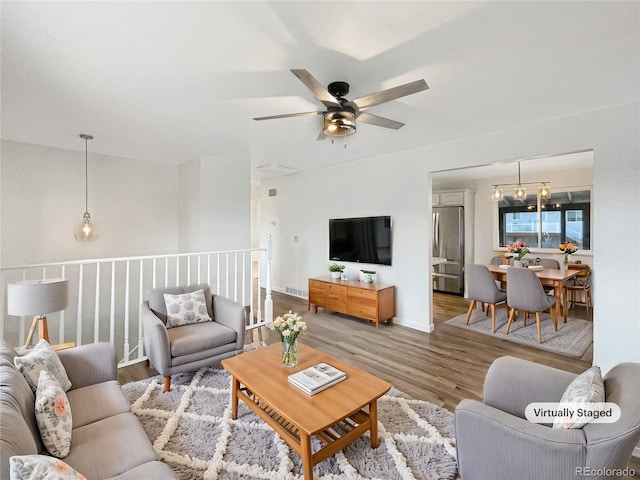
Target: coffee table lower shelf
point(334, 438)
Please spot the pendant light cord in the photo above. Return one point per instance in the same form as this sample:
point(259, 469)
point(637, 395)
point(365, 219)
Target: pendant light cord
point(86, 177)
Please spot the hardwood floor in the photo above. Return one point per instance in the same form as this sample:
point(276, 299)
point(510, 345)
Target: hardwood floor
point(442, 367)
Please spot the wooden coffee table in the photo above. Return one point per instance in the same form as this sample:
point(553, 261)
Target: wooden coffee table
point(336, 416)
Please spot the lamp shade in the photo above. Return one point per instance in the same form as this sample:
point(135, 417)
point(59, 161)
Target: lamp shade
point(37, 297)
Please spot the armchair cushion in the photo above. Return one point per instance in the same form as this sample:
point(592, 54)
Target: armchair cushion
point(186, 308)
point(194, 338)
point(587, 387)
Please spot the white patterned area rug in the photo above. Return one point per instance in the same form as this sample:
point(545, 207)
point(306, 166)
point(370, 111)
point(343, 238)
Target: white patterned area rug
point(191, 430)
point(572, 338)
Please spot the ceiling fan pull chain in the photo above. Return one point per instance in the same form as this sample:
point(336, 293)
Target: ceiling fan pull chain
point(345, 138)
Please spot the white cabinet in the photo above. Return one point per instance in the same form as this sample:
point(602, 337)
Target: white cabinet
point(452, 198)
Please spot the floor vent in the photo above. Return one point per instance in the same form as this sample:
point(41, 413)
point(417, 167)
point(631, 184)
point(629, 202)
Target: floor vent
point(296, 291)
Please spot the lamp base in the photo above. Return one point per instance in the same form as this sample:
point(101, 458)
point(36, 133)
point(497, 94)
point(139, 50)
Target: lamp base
point(43, 331)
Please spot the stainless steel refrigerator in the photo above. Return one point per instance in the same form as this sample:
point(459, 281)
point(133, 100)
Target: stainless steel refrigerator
point(448, 249)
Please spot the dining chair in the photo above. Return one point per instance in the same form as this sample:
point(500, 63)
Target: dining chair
point(550, 263)
point(497, 261)
point(581, 285)
point(481, 287)
point(526, 294)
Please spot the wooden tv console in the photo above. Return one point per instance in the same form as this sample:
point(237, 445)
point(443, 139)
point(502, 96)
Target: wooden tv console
point(370, 301)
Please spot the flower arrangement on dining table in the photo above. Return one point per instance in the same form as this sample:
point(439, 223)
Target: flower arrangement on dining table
point(289, 326)
point(567, 248)
point(518, 248)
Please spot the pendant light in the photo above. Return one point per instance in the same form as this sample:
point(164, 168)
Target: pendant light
point(86, 231)
point(520, 192)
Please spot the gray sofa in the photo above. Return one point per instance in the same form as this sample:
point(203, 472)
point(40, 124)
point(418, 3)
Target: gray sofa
point(495, 441)
point(190, 347)
point(107, 442)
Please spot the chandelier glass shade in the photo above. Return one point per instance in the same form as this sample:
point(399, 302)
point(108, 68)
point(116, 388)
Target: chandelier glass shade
point(86, 231)
point(520, 191)
point(339, 124)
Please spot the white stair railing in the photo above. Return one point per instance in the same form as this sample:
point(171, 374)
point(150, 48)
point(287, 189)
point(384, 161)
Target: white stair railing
point(105, 294)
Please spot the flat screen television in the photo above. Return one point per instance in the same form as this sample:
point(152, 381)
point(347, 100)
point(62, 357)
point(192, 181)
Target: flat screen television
point(364, 240)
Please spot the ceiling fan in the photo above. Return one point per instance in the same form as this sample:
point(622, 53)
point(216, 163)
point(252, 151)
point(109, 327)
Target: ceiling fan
point(341, 113)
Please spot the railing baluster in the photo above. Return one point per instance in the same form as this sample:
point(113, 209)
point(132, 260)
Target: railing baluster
point(244, 269)
point(153, 280)
point(126, 314)
point(209, 270)
point(79, 316)
point(226, 273)
point(166, 272)
point(235, 277)
point(218, 274)
point(188, 270)
point(96, 315)
point(177, 271)
point(44, 273)
point(251, 309)
point(259, 314)
point(61, 318)
point(140, 294)
point(112, 305)
point(199, 257)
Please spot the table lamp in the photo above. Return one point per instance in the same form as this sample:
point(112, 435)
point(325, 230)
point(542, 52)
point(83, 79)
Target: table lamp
point(37, 298)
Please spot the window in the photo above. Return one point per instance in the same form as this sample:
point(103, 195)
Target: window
point(565, 217)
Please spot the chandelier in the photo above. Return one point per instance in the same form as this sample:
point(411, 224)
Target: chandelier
point(520, 192)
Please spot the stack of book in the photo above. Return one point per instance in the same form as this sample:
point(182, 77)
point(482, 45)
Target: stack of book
point(315, 379)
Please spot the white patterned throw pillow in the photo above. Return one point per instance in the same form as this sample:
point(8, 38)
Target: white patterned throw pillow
point(41, 467)
point(587, 387)
point(186, 308)
point(42, 357)
point(53, 415)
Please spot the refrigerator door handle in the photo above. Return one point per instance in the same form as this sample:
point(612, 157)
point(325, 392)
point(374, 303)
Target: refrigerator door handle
point(436, 234)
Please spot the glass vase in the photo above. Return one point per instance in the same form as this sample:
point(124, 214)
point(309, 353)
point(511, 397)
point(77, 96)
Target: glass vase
point(289, 352)
point(565, 262)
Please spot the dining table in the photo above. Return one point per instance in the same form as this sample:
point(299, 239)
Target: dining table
point(549, 277)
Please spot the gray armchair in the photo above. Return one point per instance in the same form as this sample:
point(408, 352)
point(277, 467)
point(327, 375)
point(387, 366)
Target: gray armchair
point(495, 441)
point(190, 347)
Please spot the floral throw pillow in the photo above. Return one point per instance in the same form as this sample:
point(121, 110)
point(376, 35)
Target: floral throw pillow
point(41, 467)
point(587, 387)
point(53, 415)
point(42, 357)
point(186, 308)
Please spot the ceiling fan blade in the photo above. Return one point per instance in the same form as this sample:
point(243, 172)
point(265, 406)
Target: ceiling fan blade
point(391, 94)
point(287, 115)
point(321, 136)
point(370, 118)
point(316, 88)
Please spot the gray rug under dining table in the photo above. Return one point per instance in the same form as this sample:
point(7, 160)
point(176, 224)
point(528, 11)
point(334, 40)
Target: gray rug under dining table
point(572, 338)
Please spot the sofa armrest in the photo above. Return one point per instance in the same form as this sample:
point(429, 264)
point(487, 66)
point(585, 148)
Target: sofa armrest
point(512, 384)
point(156, 340)
point(485, 436)
point(230, 314)
point(89, 364)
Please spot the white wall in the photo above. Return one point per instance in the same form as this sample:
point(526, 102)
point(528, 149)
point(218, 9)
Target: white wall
point(399, 185)
point(43, 199)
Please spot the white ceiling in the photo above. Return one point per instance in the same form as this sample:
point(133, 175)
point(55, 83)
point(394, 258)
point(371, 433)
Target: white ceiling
point(170, 81)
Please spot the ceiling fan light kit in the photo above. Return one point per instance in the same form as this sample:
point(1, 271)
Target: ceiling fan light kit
point(339, 119)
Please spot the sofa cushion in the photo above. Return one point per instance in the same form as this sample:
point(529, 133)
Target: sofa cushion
point(53, 415)
point(42, 357)
point(587, 387)
point(110, 447)
point(198, 337)
point(96, 402)
point(186, 308)
point(155, 470)
point(156, 299)
point(42, 467)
